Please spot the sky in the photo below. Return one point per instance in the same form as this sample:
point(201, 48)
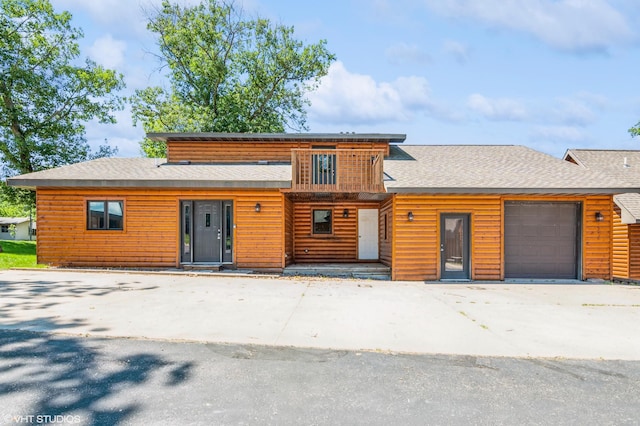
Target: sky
point(548, 74)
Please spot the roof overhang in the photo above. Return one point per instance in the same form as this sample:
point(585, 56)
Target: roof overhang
point(89, 183)
point(278, 137)
point(628, 215)
point(470, 190)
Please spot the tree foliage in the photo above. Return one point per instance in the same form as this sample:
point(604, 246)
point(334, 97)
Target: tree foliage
point(227, 73)
point(635, 130)
point(47, 92)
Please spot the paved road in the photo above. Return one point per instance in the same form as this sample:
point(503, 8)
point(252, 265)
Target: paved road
point(96, 381)
point(589, 321)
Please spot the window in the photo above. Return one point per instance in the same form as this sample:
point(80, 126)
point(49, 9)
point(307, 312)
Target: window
point(4, 229)
point(104, 215)
point(322, 223)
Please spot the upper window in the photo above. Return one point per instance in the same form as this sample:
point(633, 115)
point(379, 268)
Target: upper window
point(104, 215)
point(322, 223)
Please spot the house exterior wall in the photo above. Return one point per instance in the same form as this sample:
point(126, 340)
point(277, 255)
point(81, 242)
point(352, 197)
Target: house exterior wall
point(620, 246)
point(341, 245)
point(150, 237)
point(288, 231)
point(416, 244)
point(386, 236)
point(251, 151)
point(626, 248)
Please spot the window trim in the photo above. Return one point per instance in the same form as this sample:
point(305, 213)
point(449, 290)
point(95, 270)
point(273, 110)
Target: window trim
point(313, 223)
point(105, 213)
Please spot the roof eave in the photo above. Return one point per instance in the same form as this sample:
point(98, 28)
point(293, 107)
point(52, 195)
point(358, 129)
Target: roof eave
point(228, 137)
point(470, 190)
point(96, 183)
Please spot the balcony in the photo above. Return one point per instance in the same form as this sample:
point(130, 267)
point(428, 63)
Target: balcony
point(337, 170)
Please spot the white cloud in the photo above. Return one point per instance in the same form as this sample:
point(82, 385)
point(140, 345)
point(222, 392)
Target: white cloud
point(403, 53)
point(577, 25)
point(498, 109)
point(345, 97)
point(459, 51)
point(108, 51)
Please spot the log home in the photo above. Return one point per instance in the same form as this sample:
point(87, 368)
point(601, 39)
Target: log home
point(269, 202)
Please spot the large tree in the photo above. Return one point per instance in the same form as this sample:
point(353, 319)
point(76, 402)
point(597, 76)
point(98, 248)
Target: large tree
point(47, 92)
point(227, 73)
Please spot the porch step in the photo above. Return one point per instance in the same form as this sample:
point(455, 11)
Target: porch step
point(214, 267)
point(372, 271)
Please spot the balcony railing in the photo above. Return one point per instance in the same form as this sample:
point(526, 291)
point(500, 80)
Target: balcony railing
point(337, 170)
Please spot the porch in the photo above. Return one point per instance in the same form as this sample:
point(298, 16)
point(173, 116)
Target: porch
point(372, 271)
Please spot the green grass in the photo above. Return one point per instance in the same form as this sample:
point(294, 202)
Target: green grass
point(18, 254)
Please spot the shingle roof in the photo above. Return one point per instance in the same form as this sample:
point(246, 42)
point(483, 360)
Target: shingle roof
point(630, 206)
point(621, 165)
point(417, 168)
point(149, 172)
point(611, 162)
point(13, 220)
point(490, 169)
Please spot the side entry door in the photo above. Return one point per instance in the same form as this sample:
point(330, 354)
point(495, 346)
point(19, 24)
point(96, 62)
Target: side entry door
point(454, 246)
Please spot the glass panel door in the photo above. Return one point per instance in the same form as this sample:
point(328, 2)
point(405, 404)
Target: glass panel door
point(454, 246)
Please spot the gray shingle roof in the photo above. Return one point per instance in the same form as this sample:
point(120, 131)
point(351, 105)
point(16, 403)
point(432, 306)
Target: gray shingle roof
point(490, 169)
point(621, 165)
point(417, 168)
point(610, 162)
point(629, 204)
point(149, 172)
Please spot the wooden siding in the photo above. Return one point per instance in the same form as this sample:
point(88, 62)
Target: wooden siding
point(620, 246)
point(288, 231)
point(634, 251)
point(597, 237)
point(341, 246)
point(386, 246)
point(250, 151)
point(151, 227)
point(416, 244)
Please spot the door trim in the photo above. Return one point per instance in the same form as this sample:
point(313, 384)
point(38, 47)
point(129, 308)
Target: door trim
point(465, 272)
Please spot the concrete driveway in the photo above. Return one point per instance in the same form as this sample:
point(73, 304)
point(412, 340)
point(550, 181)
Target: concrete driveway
point(586, 320)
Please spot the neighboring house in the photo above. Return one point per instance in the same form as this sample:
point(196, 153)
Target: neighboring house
point(268, 201)
point(23, 229)
point(624, 167)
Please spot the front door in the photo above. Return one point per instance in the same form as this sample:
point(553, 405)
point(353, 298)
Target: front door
point(207, 235)
point(454, 246)
point(368, 234)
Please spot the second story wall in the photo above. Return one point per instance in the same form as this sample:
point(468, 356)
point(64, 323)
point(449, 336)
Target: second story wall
point(248, 151)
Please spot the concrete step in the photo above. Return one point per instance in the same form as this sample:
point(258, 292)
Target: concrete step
point(372, 271)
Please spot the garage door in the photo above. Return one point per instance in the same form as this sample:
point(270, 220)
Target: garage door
point(541, 240)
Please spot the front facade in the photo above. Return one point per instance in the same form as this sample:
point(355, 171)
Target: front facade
point(267, 201)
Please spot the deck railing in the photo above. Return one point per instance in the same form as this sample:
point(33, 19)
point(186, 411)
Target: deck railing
point(337, 170)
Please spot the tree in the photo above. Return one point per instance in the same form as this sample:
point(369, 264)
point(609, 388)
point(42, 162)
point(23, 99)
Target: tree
point(46, 92)
point(227, 73)
point(635, 130)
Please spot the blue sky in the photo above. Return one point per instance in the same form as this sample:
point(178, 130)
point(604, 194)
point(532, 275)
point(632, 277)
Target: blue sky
point(549, 74)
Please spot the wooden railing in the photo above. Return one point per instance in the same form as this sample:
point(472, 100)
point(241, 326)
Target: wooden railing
point(337, 170)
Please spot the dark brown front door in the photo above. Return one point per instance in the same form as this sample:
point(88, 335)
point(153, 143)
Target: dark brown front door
point(454, 246)
point(541, 240)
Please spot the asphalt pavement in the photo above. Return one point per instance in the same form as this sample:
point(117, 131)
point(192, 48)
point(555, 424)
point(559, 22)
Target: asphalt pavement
point(568, 320)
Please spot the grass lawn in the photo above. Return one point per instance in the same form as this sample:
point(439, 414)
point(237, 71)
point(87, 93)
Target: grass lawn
point(18, 254)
